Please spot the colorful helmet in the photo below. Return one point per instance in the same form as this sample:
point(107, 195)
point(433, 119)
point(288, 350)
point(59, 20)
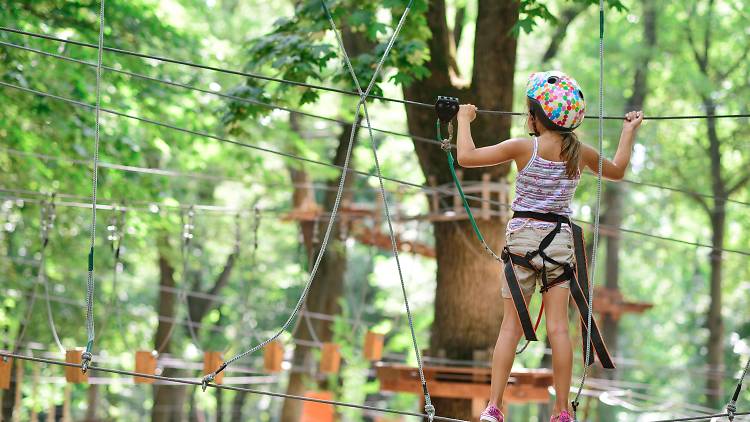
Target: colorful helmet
point(560, 98)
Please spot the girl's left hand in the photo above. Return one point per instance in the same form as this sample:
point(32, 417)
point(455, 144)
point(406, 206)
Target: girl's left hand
point(467, 112)
point(633, 120)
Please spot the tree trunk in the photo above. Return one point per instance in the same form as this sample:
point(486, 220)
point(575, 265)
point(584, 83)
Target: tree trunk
point(468, 308)
point(93, 403)
point(237, 404)
point(326, 290)
point(715, 320)
point(615, 193)
point(168, 399)
point(718, 226)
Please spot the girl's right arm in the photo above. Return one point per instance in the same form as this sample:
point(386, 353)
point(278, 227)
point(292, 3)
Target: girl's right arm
point(615, 169)
point(468, 155)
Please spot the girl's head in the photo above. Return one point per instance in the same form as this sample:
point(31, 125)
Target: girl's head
point(556, 104)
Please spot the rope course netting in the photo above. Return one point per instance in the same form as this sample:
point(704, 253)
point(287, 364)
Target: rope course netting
point(187, 212)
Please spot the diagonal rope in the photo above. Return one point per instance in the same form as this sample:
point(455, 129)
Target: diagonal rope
point(597, 206)
point(429, 408)
point(88, 355)
point(334, 212)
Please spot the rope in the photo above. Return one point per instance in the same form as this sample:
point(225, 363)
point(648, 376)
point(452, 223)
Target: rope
point(429, 408)
point(334, 211)
point(421, 187)
point(88, 355)
point(357, 172)
point(452, 167)
point(225, 387)
point(328, 88)
point(732, 406)
point(187, 236)
point(46, 223)
point(213, 93)
point(116, 235)
point(595, 245)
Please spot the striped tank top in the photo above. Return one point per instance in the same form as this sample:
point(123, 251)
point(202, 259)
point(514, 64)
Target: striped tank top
point(542, 186)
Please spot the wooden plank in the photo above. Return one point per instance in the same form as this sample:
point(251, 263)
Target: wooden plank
point(74, 375)
point(373, 348)
point(435, 195)
point(211, 362)
point(330, 358)
point(273, 356)
point(318, 412)
point(5, 370)
point(145, 363)
point(485, 196)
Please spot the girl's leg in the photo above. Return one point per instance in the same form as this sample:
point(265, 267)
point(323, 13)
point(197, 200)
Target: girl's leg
point(556, 309)
point(505, 350)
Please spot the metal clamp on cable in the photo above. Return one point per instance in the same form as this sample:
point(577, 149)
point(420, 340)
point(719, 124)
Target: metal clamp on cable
point(207, 380)
point(446, 109)
point(429, 409)
point(86, 358)
point(731, 410)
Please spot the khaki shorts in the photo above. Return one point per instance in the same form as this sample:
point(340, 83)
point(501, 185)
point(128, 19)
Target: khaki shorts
point(527, 238)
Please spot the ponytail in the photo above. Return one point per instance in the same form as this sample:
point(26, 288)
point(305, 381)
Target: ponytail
point(571, 153)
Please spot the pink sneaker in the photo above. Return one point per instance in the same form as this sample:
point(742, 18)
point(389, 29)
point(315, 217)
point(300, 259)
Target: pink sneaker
point(491, 414)
point(564, 416)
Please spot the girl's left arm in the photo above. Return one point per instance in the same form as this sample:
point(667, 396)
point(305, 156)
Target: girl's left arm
point(470, 156)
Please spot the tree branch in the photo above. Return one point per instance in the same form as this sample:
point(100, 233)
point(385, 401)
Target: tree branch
point(738, 184)
point(567, 16)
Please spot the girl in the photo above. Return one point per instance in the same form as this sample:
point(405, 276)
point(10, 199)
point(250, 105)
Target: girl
point(550, 165)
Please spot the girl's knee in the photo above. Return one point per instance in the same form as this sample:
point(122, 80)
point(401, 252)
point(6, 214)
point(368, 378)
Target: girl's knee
point(557, 330)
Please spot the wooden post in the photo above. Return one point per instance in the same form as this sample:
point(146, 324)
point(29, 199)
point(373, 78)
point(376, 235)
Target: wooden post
point(318, 412)
point(485, 196)
point(273, 356)
point(434, 195)
point(503, 198)
point(17, 398)
point(66, 403)
point(330, 359)
point(145, 363)
point(211, 362)
point(457, 206)
point(373, 349)
point(74, 374)
point(5, 366)
point(34, 417)
point(52, 412)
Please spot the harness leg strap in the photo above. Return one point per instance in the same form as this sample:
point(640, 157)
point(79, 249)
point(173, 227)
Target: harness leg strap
point(579, 290)
point(518, 299)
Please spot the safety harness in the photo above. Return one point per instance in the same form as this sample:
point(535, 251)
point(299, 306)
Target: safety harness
point(447, 108)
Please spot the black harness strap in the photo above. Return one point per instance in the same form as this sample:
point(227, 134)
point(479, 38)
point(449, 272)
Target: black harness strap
point(517, 295)
point(578, 276)
point(579, 289)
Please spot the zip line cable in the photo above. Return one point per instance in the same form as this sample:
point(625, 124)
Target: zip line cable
point(425, 188)
point(597, 208)
point(214, 93)
point(321, 87)
point(88, 354)
point(316, 116)
point(224, 387)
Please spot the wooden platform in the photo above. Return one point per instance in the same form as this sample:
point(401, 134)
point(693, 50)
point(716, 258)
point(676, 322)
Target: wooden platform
point(524, 386)
point(611, 302)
